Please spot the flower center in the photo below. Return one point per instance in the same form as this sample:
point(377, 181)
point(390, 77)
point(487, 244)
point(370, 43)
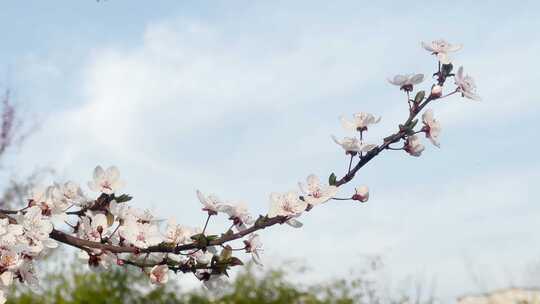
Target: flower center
point(107, 185)
point(7, 260)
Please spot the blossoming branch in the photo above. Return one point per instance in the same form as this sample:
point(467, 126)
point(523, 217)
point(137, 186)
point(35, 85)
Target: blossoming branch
point(109, 232)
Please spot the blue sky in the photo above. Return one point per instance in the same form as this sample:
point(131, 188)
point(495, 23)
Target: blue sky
point(239, 98)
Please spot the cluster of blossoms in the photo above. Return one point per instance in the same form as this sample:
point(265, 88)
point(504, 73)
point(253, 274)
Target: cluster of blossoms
point(465, 85)
point(109, 232)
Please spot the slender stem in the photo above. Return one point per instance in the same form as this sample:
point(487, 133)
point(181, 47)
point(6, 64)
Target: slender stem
point(206, 223)
point(409, 101)
point(449, 94)
point(350, 163)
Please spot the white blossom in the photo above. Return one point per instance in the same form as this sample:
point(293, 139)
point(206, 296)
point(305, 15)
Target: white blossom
point(432, 127)
point(9, 233)
point(352, 145)
point(178, 234)
point(159, 274)
point(238, 213)
point(361, 194)
point(121, 210)
point(48, 200)
point(407, 82)
point(203, 257)
point(413, 146)
point(37, 228)
point(315, 193)
point(69, 193)
point(124, 211)
point(93, 226)
point(287, 204)
point(99, 260)
point(10, 260)
point(254, 246)
point(27, 274)
point(140, 235)
point(106, 181)
point(360, 121)
point(210, 203)
point(466, 85)
point(441, 48)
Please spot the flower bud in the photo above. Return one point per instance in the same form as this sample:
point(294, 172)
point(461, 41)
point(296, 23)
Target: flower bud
point(436, 91)
point(362, 194)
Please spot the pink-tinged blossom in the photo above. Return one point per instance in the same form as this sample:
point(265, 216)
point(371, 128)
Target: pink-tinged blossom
point(466, 85)
point(441, 48)
point(93, 226)
point(202, 257)
point(361, 194)
point(238, 213)
point(287, 204)
point(47, 200)
point(254, 246)
point(407, 82)
point(360, 121)
point(99, 260)
point(432, 127)
point(178, 234)
point(6, 278)
point(27, 274)
point(314, 193)
point(210, 203)
point(352, 145)
point(121, 210)
point(106, 181)
point(9, 233)
point(414, 146)
point(140, 235)
point(69, 193)
point(10, 259)
point(37, 228)
point(159, 274)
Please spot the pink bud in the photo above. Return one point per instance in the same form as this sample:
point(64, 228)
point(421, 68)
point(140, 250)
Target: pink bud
point(436, 91)
point(362, 194)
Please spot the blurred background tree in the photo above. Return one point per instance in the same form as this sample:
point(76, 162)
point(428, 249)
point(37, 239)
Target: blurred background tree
point(73, 284)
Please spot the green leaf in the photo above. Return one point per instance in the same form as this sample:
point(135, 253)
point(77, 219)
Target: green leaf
point(123, 198)
point(332, 179)
point(197, 236)
point(212, 237)
point(419, 97)
point(200, 239)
